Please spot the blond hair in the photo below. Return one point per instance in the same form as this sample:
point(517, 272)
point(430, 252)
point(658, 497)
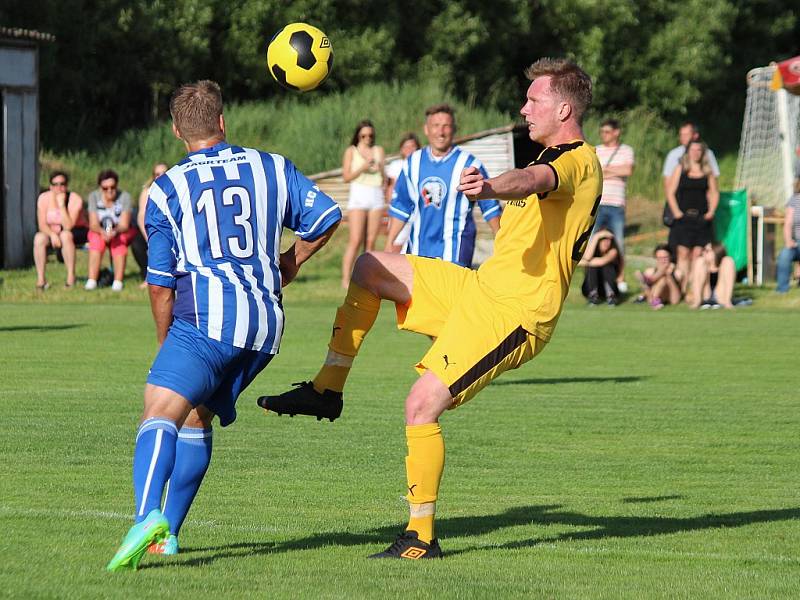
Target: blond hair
point(567, 80)
point(195, 110)
point(705, 165)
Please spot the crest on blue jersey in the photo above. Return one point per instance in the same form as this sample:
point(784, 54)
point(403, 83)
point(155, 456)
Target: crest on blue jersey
point(433, 191)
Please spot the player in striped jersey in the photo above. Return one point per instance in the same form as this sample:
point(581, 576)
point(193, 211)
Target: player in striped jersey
point(426, 196)
point(215, 273)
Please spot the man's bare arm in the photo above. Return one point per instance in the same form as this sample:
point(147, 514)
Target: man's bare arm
point(517, 183)
point(395, 227)
point(161, 301)
point(300, 252)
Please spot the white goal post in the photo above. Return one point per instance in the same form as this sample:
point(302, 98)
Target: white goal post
point(770, 134)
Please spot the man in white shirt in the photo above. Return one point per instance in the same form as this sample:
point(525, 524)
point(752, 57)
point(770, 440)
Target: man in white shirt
point(617, 161)
point(688, 132)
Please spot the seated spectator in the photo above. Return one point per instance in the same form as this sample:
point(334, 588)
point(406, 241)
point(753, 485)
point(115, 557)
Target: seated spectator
point(109, 227)
point(602, 261)
point(661, 284)
point(62, 226)
point(713, 278)
point(791, 235)
point(139, 243)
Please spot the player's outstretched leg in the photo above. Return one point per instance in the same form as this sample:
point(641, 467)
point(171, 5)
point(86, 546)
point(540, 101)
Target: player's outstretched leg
point(377, 275)
point(322, 398)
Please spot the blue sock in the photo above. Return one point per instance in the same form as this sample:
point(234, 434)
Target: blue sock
point(192, 456)
point(153, 460)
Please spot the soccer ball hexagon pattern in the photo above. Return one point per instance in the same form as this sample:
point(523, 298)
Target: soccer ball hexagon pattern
point(300, 57)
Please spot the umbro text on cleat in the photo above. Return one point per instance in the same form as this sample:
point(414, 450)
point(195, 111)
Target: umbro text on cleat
point(408, 545)
point(304, 400)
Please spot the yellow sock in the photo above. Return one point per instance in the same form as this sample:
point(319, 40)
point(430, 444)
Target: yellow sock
point(354, 319)
point(424, 467)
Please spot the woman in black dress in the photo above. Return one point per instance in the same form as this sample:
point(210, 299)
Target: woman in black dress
point(693, 195)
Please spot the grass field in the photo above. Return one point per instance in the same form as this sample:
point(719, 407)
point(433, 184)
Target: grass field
point(642, 455)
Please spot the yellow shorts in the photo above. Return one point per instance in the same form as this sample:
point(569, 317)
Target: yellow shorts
point(477, 339)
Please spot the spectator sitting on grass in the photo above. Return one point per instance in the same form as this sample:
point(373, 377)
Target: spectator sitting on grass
point(661, 284)
point(602, 261)
point(712, 278)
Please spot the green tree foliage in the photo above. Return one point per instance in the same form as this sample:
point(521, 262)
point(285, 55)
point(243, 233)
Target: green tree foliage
point(116, 61)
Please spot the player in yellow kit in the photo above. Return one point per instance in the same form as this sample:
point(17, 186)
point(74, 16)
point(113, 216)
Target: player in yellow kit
point(487, 321)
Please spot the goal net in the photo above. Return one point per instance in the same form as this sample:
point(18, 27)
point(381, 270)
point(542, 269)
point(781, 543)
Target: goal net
point(770, 134)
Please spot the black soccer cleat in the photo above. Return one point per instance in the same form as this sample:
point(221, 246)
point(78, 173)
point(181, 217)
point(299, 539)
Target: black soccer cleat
point(408, 545)
point(305, 400)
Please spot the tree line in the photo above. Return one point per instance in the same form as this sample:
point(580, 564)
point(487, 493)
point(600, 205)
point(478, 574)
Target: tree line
point(115, 62)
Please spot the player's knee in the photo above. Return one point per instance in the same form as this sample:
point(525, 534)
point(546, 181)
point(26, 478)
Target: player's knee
point(367, 270)
point(425, 404)
point(66, 237)
point(40, 239)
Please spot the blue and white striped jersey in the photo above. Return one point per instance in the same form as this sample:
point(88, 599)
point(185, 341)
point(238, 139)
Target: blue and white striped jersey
point(214, 224)
point(426, 194)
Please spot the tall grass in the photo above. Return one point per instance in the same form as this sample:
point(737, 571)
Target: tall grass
point(313, 132)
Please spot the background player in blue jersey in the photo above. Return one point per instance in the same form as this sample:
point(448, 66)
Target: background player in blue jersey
point(215, 273)
point(426, 197)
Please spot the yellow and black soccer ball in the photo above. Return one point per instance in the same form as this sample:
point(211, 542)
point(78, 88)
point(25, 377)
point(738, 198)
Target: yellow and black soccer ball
point(300, 57)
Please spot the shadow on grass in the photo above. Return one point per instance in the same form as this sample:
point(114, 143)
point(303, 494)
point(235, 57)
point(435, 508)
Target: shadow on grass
point(42, 328)
point(556, 380)
point(626, 527)
point(473, 526)
point(645, 499)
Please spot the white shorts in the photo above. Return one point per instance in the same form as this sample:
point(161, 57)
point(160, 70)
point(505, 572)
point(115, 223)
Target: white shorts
point(365, 197)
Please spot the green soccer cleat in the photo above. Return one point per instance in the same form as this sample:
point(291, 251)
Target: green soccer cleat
point(153, 529)
point(167, 547)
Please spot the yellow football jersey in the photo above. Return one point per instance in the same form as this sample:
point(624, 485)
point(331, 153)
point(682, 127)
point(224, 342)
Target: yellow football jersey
point(542, 238)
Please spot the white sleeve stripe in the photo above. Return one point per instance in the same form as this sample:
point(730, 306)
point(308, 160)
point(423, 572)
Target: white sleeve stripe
point(490, 211)
point(318, 221)
point(399, 212)
point(157, 272)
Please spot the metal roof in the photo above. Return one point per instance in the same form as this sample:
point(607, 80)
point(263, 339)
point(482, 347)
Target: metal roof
point(18, 33)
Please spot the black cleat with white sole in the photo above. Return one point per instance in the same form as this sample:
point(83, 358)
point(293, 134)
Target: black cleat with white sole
point(304, 400)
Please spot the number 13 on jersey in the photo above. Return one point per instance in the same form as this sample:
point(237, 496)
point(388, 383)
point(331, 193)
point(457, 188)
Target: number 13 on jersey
point(239, 198)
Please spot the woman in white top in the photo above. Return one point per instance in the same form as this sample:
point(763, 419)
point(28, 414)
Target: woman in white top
point(362, 168)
